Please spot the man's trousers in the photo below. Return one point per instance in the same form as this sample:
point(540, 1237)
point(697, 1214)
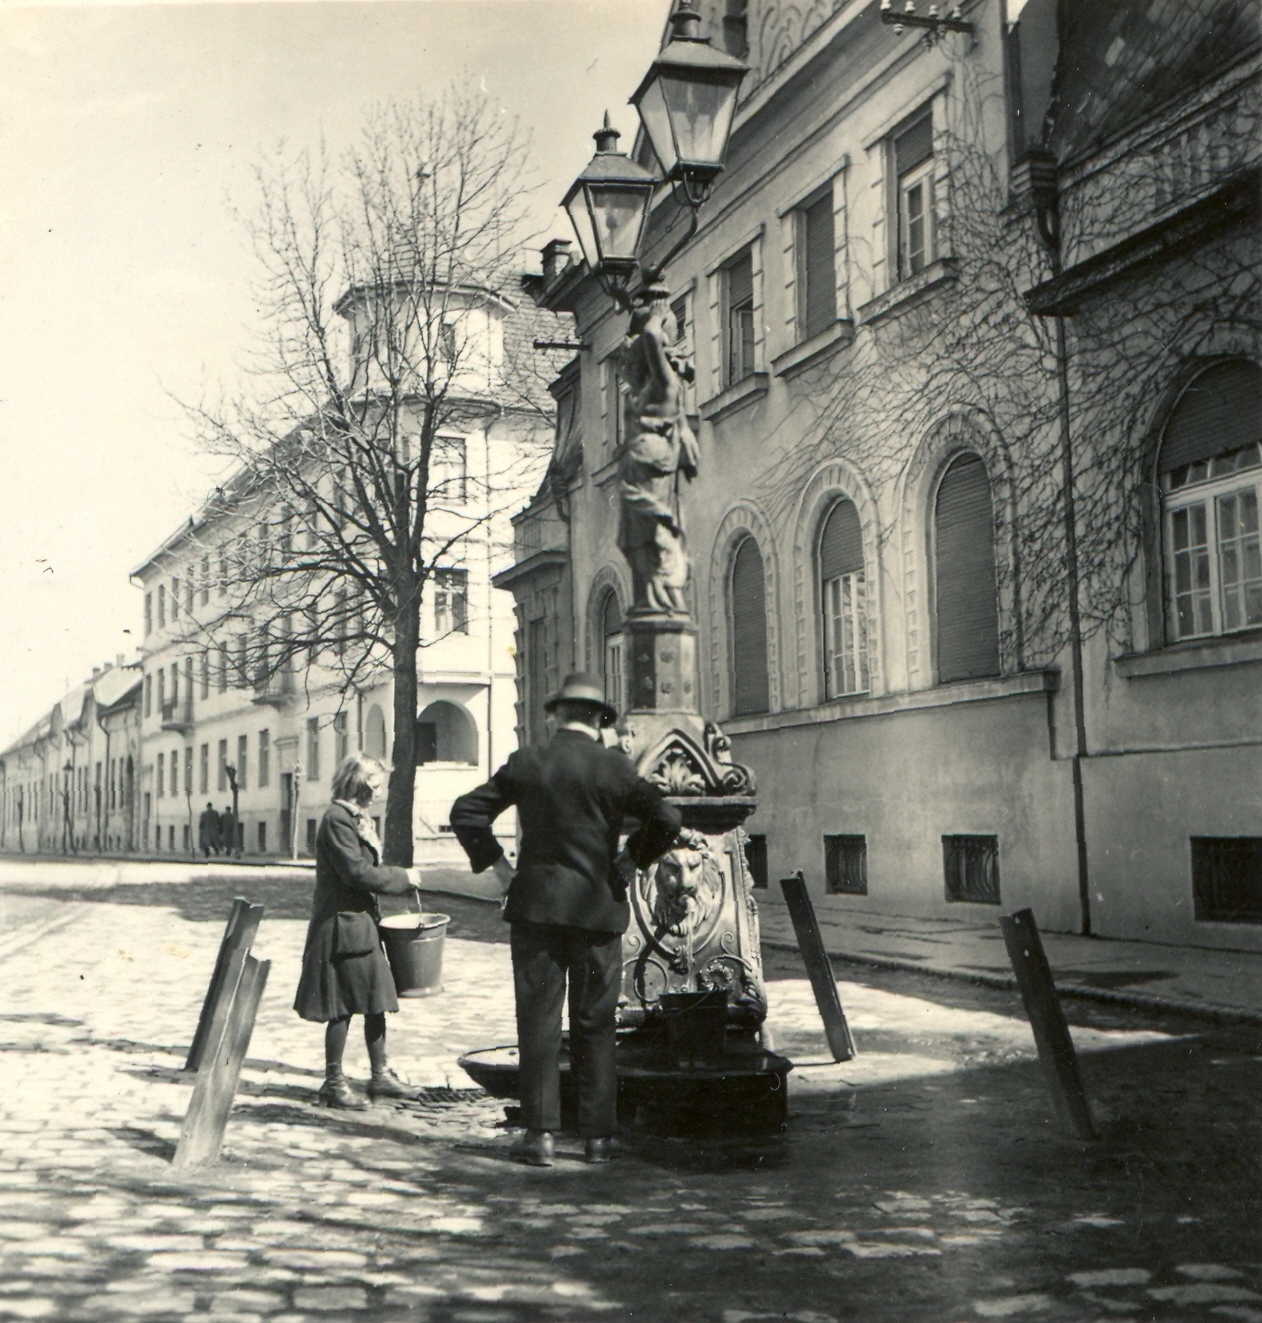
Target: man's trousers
point(544, 955)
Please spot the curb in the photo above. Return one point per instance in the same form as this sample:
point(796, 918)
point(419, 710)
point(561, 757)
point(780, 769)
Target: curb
point(1138, 1000)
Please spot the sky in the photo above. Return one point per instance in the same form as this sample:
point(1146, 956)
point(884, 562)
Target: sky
point(126, 133)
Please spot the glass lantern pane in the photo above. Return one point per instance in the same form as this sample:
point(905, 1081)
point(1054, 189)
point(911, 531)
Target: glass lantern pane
point(618, 212)
point(656, 120)
point(701, 113)
point(580, 219)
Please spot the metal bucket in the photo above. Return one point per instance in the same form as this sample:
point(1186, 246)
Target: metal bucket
point(414, 948)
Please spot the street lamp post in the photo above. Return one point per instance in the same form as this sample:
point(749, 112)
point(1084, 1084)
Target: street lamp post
point(230, 770)
point(687, 104)
point(67, 839)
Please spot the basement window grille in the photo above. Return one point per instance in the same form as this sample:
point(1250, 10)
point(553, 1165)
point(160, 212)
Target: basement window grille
point(846, 865)
point(1227, 879)
point(971, 865)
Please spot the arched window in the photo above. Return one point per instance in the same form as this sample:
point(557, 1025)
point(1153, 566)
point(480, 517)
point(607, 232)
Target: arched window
point(966, 610)
point(1211, 481)
point(445, 733)
point(611, 652)
point(375, 732)
point(748, 598)
point(843, 596)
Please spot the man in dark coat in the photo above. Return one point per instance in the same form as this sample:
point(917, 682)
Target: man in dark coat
point(228, 831)
point(208, 830)
point(567, 904)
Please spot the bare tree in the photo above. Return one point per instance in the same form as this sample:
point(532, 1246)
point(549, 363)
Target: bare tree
point(381, 271)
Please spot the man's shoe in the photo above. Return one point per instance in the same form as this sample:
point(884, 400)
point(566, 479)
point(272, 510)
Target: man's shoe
point(386, 1084)
point(336, 1092)
point(598, 1150)
point(536, 1148)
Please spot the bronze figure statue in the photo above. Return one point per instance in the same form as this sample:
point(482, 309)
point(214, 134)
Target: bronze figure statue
point(650, 534)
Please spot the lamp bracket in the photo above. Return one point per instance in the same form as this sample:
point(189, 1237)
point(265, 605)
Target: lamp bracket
point(933, 24)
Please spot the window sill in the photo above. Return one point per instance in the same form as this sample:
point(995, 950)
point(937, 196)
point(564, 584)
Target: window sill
point(1195, 655)
point(909, 293)
point(744, 392)
point(813, 351)
point(946, 695)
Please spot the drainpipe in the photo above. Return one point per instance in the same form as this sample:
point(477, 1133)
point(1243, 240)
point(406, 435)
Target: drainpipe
point(1043, 187)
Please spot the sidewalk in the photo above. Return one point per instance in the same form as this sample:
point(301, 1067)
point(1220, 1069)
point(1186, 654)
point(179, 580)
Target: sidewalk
point(1226, 985)
point(98, 872)
point(19, 872)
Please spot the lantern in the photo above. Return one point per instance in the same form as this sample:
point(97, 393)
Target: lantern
point(686, 104)
point(608, 206)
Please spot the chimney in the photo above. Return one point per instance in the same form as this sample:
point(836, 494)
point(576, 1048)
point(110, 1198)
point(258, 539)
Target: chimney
point(118, 659)
point(556, 258)
point(96, 670)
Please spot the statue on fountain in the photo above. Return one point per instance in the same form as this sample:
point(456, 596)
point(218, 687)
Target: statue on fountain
point(650, 534)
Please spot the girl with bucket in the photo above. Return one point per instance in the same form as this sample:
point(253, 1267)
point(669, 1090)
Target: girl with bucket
point(344, 968)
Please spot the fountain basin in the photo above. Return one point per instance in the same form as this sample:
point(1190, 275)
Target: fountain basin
point(741, 1091)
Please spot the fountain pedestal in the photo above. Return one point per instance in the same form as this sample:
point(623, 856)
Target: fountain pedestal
point(694, 927)
point(693, 935)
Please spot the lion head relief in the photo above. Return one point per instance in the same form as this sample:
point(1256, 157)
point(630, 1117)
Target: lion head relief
point(685, 891)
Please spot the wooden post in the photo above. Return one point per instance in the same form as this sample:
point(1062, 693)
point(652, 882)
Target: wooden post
point(238, 937)
point(1051, 1032)
point(818, 966)
point(201, 1136)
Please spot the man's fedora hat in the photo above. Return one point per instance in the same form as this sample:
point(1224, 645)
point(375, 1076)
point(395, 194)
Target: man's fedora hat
point(580, 687)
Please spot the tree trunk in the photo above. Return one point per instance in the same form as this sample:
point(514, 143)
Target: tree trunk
point(398, 834)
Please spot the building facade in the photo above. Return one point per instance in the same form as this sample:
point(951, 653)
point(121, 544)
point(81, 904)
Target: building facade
point(974, 558)
point(69, 783)
point(216, 708)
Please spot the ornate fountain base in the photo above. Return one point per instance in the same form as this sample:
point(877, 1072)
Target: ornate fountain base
point(690, 1056)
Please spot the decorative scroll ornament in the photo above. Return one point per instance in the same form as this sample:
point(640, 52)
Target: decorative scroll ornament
point(680, 766)
point(734, 975)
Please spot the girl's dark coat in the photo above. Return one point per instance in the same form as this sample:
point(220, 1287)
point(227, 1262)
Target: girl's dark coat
point(344, 969)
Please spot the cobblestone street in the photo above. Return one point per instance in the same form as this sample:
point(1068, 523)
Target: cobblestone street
point(925, 1180)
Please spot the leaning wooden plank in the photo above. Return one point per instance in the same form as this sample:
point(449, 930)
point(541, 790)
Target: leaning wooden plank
point(239, 907)
point(818, 966)
point(1047, 1019)
point(238, 937)
point(207, 1117)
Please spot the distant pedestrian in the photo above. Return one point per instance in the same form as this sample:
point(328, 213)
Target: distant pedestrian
point(344, 968)
point(228, 831)
point(567, 905)
point(208, 830)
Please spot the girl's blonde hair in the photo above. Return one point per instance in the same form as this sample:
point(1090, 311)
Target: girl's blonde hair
point(350, 781)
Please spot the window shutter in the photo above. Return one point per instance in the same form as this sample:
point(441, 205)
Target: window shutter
point(967, 613)
point(1220, 411)
point(679, 309)
point(750, 688)
point(841, 542)
point(913, 145)
point(610, 617)
point(740, 281)
point(820, 302)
